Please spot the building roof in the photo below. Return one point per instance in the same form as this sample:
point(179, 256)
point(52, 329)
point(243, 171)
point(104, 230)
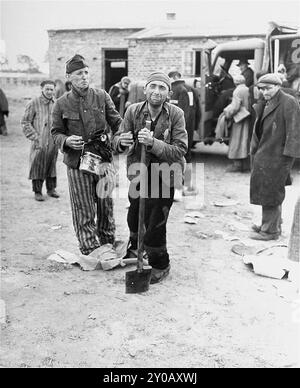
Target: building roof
point(172, 30)
point(103, 26)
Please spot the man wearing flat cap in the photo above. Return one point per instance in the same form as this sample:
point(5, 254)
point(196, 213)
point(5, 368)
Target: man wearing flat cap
point(246, 71)
point(36, 124)
point(274, 146)
point(160, 127)
point(80, 119)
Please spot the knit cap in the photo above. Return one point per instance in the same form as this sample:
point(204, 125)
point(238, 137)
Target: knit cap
point(159, 76)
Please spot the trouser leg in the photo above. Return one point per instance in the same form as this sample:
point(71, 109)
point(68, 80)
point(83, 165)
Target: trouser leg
point(155, 241)
point(83, 205)
point(3, 129)
point(271, 219)
point(37, 185)
point(133, 221)
point(105, 220)
point(50, 183)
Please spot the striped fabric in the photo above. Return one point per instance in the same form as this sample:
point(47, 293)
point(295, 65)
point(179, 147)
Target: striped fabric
point(85, 206)
point(294, 243)
point(36, 124)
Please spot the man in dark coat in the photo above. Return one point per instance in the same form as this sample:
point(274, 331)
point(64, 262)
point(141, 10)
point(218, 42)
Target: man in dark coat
point(119, 94)
point(3, 112)
point(246, 71)
point(274, 146)
point(166, 144)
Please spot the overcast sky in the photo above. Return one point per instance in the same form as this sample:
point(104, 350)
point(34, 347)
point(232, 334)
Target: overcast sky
point(24, 23)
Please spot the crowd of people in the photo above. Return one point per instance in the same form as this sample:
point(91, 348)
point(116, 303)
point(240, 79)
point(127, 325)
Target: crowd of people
point(88, 125)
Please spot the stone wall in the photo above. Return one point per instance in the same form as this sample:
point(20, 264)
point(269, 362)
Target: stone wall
point(144, 55)
point(147, 55)
point(63, 44)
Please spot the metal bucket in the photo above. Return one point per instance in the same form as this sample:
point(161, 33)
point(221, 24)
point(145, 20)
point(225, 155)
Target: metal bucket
point(90, 163)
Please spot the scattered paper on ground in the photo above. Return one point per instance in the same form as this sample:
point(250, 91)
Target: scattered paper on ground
point(2, 312)
point(229, 202)
point(226, 236)
point(235, 225)
point(202, 235)
point(271, 262)
point(56, 227)
point(105, 257)
point(193, 203)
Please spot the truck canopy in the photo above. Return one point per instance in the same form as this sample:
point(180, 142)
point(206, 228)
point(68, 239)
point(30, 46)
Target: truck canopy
point(244, 48)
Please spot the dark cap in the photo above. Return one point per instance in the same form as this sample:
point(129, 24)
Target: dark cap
point(243, 62)
point(75, 63)
point(269, 79)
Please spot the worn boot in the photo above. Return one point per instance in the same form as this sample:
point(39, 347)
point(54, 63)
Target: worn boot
point(235, 167)
point(39, 197)
point(53, 193)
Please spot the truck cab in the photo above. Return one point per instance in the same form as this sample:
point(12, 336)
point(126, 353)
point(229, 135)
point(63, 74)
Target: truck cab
point(280, 47)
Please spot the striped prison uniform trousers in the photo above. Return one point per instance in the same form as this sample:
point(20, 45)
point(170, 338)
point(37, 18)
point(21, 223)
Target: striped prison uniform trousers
point(86, 206)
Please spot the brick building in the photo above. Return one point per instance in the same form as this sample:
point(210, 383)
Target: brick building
point(114, 52)
point(105, 49)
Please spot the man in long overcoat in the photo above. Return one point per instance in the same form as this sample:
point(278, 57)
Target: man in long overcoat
point(274, 146)
point(36, 124)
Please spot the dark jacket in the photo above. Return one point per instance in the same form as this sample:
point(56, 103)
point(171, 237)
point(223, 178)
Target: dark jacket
point(3, 103)
point(180, 98)
point(170, 136)
point(85, 116)
point(119, 96)
point(3, 107)
point(275, 143)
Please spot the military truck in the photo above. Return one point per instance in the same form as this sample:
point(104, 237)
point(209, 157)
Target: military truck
point(280, 47)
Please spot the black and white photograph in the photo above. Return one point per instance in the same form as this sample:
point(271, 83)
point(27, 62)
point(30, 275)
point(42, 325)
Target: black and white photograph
point(150, 187)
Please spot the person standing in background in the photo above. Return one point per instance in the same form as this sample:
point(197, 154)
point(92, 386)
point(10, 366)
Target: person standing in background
point(36, 124)
point(4, 111)
point(119, 94)
point(246, 71)
point(274, 146)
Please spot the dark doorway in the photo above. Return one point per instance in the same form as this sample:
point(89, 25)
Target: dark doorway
point(115, 66)
point(197, 63)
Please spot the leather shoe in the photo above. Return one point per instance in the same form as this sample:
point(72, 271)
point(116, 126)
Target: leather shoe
point(38, 197)
point(256, 228)
point(157, 275)
point(53, 194)
point(262, 236)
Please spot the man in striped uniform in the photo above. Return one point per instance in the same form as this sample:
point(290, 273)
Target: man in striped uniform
point(80, 119)
point(36, 124)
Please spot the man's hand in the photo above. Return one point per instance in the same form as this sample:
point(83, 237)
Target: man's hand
point(75, 142)
point(126, 139)
point(36, 143)
point(145, 137)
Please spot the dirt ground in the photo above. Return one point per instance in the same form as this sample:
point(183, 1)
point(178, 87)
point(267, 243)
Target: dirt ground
point(212, 311)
